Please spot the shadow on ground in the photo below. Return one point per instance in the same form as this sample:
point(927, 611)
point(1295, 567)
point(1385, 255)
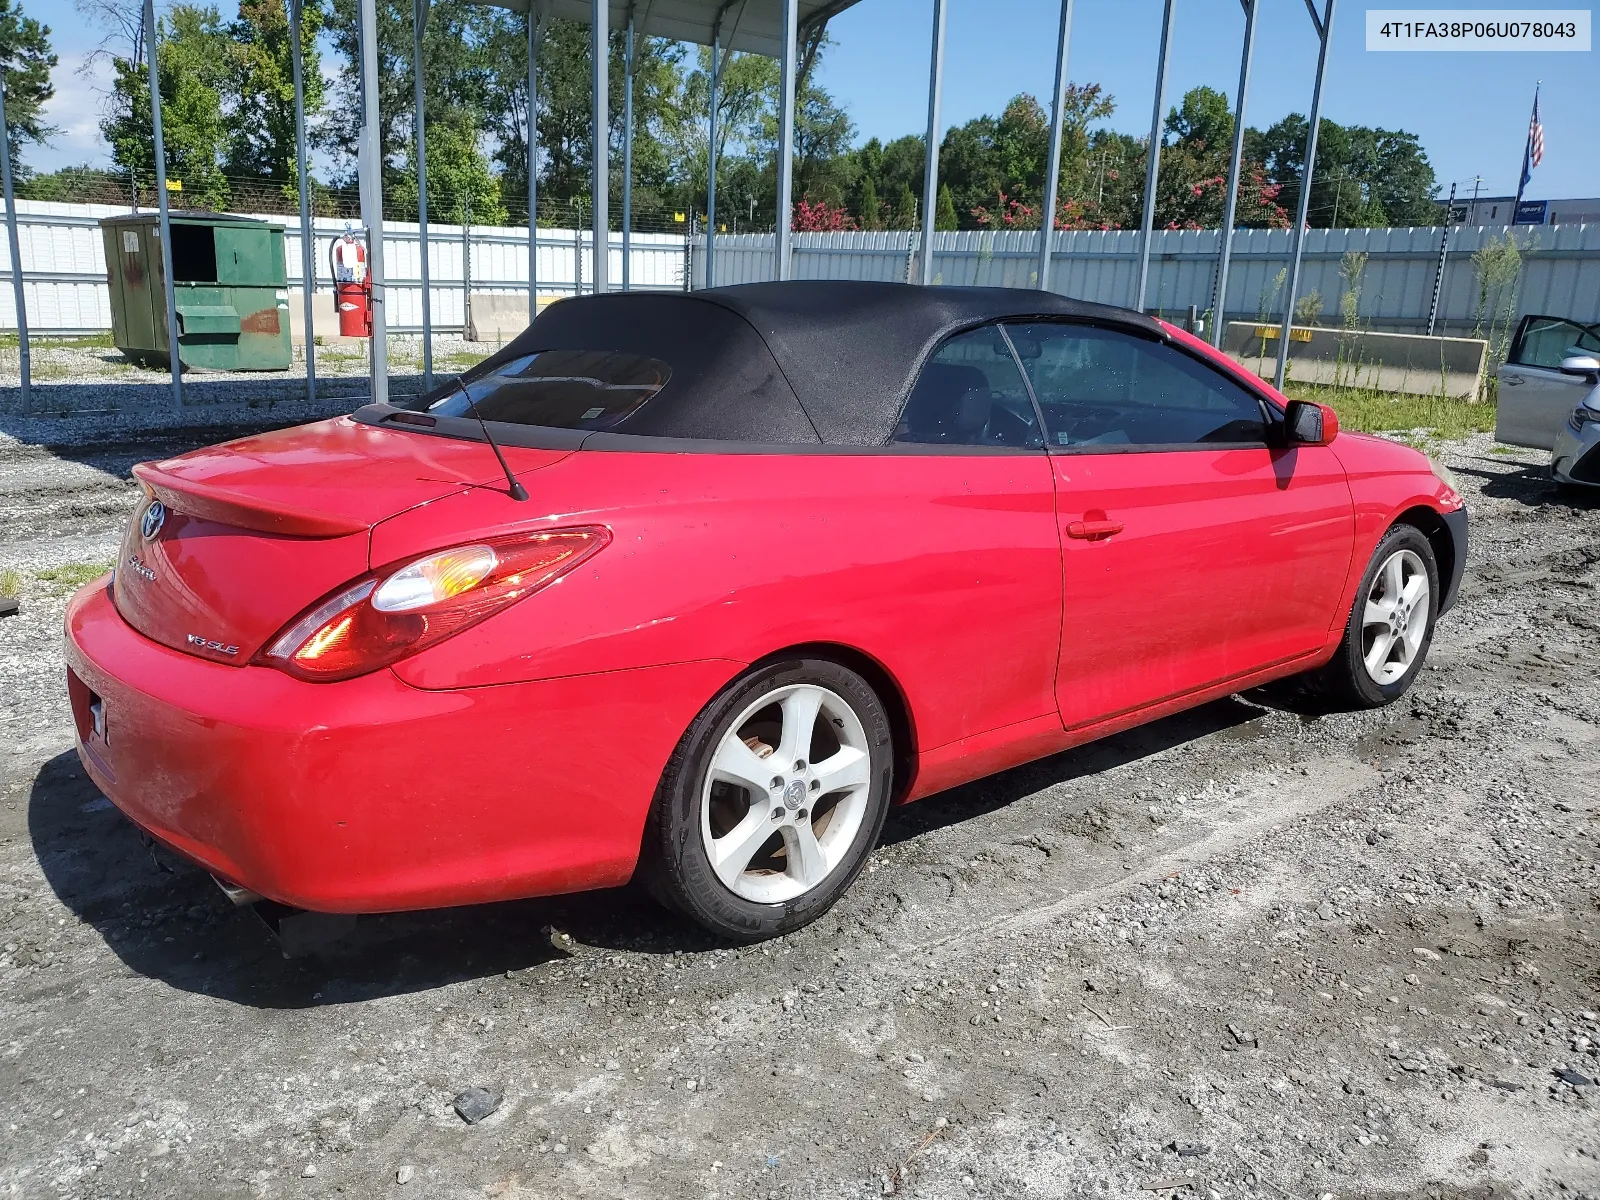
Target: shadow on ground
point(166, 920)
point(1532, 486)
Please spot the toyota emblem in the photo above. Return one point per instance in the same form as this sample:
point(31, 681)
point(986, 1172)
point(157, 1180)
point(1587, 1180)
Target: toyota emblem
point(154, 517)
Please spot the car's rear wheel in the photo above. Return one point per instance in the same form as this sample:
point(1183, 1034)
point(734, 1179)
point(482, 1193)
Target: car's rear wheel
point(772, 800)
point(1390, 627)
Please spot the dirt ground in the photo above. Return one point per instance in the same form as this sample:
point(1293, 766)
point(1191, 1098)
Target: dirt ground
point(1258, 950)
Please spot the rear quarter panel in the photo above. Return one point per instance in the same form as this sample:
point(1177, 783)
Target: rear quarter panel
point(945, 569)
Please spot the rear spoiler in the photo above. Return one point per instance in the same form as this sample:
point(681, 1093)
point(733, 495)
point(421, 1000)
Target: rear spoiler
point(247, 512)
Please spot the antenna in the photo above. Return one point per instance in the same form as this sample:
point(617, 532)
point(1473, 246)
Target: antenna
point(516, 490)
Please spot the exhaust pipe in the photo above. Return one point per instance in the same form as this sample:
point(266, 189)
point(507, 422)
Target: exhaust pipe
point(298, 932)
point(241, 897)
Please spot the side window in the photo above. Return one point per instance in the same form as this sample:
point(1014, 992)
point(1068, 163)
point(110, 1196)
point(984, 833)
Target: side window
point(1545, 341)
point(970, 393)
point(1098, 387)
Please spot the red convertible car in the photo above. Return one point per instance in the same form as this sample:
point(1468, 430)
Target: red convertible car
point(694, 586)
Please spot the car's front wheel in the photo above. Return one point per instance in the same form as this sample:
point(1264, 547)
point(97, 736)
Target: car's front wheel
point(772, 800)
point(1390, 626)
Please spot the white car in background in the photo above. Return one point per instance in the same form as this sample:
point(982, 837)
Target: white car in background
point(1550, 396)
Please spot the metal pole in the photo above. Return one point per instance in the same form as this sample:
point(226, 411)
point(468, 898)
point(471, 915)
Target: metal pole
point(371, 176)
point(1326, 32)
point(165, 219)
point(1444, 250)
point(627, 154)
point(577, 247)
point(308, 250)
point(419, 21)
point(533, 166)
point(791, 18)
point(1230, 208)
point(930, 169)
point(1058, 122)
point(1153, 160)
point(468, 333)
point(24, 366)
point(602, 142)
point(711, 154)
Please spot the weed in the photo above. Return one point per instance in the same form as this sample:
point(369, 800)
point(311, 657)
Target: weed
point(1498, 264)
point(69, 577)
point(1351, 267)
point(10, 581)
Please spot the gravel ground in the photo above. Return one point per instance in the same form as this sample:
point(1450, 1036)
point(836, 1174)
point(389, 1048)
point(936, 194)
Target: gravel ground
point(82, 376)
point(1257, 950)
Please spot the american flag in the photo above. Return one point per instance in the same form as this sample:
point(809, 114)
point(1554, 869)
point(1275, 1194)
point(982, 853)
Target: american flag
point(1533, 152)
point(1535, 137)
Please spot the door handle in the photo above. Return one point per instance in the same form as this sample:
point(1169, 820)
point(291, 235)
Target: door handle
point(1093, 530)
point(1513, 380)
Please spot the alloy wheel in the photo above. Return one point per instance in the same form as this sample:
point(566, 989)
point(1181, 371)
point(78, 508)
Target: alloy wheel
point(1394, 621)
point(785, 793)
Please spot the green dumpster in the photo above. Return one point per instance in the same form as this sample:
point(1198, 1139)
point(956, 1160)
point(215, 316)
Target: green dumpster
point(228, 283)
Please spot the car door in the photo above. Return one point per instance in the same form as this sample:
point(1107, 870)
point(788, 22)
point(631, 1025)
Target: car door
point(1535, 397)
point(1194, 551)
point(982, 598)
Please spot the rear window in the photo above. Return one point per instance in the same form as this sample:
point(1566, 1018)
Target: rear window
point(561, 389)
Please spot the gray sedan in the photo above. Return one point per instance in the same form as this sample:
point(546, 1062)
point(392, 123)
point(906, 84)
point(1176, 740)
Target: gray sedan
point(1550, 396)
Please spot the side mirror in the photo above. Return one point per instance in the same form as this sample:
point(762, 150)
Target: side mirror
point(1585, 366)
point(1309, 424)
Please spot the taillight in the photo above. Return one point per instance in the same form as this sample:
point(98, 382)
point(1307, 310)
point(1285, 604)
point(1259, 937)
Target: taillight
point(403, 608)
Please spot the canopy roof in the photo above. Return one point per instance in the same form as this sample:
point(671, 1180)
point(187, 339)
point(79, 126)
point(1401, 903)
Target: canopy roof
point(753, 25)
point(826, 362)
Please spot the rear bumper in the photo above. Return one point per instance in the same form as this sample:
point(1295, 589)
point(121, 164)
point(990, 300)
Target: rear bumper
point(371, 795)
point(1456, 523)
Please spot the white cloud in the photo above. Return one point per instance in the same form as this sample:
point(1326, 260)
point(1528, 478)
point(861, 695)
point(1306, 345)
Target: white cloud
point(82, 84)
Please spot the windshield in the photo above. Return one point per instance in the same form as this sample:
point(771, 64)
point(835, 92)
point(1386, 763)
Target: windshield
point(561, 389)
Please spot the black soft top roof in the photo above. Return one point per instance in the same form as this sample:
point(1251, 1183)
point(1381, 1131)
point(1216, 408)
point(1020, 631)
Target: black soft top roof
point(802, 361)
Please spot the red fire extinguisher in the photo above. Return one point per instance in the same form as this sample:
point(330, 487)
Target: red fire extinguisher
point(352, 286)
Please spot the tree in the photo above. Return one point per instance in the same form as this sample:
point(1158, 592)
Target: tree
point(260, 88)
point(457, 73)
point(944, 215)
point(904, 215)
point(868, 206)
point(27, 58)
point(461, 187)
point(84, 184)
point(990, 157)
point(192, 53)
point(1363, 176)
point(1202, 118)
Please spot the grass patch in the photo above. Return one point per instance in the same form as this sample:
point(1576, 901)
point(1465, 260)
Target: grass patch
point(69, 577)
point(10, 581)
point(457, 362)
point(9, 341)
point(1390, 412)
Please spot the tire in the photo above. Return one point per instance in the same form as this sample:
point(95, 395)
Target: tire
point(742, 770)
point(1363, 672)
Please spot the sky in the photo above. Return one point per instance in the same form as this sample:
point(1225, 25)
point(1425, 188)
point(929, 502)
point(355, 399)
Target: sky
point(1469, 109)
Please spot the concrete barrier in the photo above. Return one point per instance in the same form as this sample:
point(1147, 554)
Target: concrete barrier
point(1382, 362)
point(500, 316)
